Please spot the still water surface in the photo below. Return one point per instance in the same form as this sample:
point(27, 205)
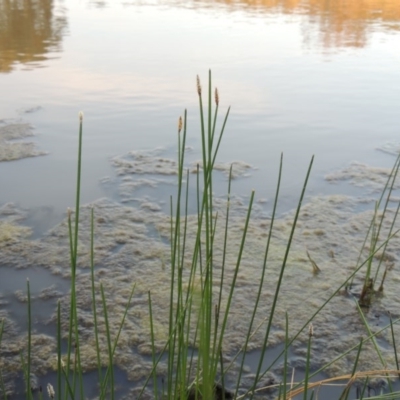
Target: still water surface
point(302, 77)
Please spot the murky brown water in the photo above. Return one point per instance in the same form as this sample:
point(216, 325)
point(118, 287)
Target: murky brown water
point(303, 77)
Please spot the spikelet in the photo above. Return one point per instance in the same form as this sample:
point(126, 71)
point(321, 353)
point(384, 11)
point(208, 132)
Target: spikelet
point(216, 97)
point(80, 116)
point(179, 124)
point(198, 85)
point(311, 330)
point(50, 391)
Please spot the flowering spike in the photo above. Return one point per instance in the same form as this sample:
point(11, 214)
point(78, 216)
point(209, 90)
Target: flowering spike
point(80, 116)
point(216, 97)
point(180, 125)
point(50, 391)
point(198, 86)
point(311, 330)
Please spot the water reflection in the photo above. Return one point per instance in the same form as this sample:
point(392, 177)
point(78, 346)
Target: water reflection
point(29, 31)
point(340, 22)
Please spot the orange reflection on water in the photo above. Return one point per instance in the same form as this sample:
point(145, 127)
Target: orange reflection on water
point(340, 22)
point(29, 30)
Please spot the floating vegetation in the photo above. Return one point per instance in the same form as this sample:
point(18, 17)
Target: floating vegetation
point(234, 169)
point(363, 175)
point(116, 251)
point(390, 148)
point(128, 252)
point(145, 162)
point(12, 145)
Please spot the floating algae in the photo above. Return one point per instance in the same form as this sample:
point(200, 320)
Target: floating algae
point(363, 175)
point(154, 163)
point(132, 248)
point(145, 162)
point(390, 148)
point(239, 168)
point(11, 146)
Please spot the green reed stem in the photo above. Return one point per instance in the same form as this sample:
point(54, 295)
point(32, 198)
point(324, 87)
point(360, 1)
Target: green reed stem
point(263, 271)
point(104, 383)
point(68, 386)
point(109, 347)
point(378, 351)
point(394, 343)
point(387, 185)
point(306, 378)
point(59, 364)
point(73, 325)
point(285, 361)
point(346, 391)
point(236, 270)
point(2, 386)
point(93, 290)
point(153, 350)
point(279, 283)
point(175, 263)
point(28, 373)
point(317, 312)
point(364, 387)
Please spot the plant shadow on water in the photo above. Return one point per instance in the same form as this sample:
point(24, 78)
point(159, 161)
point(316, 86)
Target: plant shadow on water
point(172, 302)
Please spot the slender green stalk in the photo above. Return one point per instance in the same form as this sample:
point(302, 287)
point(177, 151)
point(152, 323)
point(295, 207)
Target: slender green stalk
point(28, 368)
point(115, 343)
point(109, 347)
point(285, 361)
point(346, 391)
point(59, 363)
point(364, 387)
point(394, 343)
point(387, 185)
point(392, 179)
point(324, 367)
point(263, 270)
point(68, 386)
point(175, 259)
point(310, 335)
point(96, 326)
point(2, 386)
point(279, 283)
point(73, 325)
point(378, 351)
point(153, 350)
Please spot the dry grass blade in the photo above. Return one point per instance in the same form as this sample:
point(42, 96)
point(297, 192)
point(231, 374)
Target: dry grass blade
point(381, 373)
point(316, 269)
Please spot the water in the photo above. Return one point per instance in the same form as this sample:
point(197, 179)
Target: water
point(303, 77)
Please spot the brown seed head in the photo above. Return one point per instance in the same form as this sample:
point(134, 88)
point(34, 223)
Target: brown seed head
point(216, 97)
point(198, 86)
point(311, 330)
point(179, 124)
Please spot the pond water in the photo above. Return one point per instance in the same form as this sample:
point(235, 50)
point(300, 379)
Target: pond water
point(302, 77)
